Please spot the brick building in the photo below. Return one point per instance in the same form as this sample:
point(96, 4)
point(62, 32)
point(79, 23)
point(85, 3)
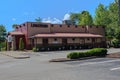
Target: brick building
point(48, 36)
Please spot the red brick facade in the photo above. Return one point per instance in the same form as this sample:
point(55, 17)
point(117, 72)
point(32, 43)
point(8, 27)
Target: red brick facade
point(36, 34)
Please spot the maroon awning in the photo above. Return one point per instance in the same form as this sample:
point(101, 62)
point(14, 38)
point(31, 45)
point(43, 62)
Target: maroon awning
point(67, 35)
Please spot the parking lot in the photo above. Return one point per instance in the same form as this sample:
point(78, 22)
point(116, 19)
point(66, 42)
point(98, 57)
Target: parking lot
point(38, 67)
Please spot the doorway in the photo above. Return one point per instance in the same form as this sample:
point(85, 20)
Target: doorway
point(45, 41)
point(64, 41)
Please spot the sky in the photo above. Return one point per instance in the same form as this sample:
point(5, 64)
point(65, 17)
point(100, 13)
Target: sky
point(53, 11)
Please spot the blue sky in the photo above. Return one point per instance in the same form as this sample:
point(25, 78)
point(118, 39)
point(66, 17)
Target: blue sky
point(20, 11)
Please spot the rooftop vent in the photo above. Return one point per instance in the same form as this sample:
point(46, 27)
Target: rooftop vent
point(68, 22)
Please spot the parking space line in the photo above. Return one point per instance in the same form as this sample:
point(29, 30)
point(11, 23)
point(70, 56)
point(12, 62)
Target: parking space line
point(112, 69)
point(101, 62)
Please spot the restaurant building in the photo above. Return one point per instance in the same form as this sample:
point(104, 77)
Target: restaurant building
point(47, 36)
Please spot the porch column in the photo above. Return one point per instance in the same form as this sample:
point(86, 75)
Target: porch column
point(35, 42)
point(84, 41)
point(13, 43)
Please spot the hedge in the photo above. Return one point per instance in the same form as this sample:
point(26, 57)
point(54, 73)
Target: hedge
point(93, 52)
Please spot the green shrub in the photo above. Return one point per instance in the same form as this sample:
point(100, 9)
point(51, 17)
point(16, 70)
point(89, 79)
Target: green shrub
point(81, 54)
point(3, 49)
point(21, 44)
point(73, 55)
point(35, 49)
point(3, 46)
point(115, 43)
point(99, 51)
point(93, 52)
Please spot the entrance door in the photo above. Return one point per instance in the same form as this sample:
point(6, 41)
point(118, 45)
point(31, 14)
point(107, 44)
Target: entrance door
point(17, 39)
point(45, 41)
point(93, 42)
point(32, 40)
point(64, 41)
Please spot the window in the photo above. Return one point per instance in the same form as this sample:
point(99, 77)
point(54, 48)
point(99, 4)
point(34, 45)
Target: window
point(88, 39)
point(76, 26)
point(73, 39)
point(45, 41)
point(16, 27)
point(96, 26)
point(82, 26)
point(40, 25)
point(55, 39)
point(103, 27)
point(68, 25)
point(52, 25)
point(23, 24)
point(60, 25)
point(90, 26)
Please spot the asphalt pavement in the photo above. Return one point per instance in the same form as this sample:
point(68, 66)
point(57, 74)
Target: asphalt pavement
point(38, 67)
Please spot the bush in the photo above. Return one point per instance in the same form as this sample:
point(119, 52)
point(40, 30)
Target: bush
point(115, 43)
point(73, 55)
point(3, 49)
point(93, 52)
point(21, 44)
point(3, 46)
point(99, 51)
point(35, 49)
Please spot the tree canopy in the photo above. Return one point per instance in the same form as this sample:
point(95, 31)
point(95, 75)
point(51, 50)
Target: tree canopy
point(83, 18)
point(2, 33)
point(38, 19)
point(101, 15)
point(14, 26)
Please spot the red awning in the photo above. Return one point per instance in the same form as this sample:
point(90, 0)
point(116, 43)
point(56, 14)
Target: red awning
point(66, 35)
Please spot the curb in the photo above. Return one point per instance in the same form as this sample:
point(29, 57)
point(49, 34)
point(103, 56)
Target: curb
point(16, 55)
point(67, 59)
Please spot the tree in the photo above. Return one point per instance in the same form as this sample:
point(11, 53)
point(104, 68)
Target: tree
point(101, 15)
point(38, 19)
point(113, 14)
point(86, 18)
point(109, 17)
point(83, 18)
point(75, 17)
point(2, 33)
point(113, 26)
point(14, 26)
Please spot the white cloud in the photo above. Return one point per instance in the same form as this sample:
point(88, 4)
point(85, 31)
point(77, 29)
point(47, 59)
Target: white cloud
point(55, 20)
point(13, 19)
point(50, 20)
point(66, 17)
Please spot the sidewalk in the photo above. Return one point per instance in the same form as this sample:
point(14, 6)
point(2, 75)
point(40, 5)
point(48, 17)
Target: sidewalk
point(15, 54)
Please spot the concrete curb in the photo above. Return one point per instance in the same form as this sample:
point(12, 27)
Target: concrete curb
point(15, 55)
point(67, 59)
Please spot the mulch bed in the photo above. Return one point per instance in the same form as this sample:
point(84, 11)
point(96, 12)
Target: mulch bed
point(67, 59)
point(114, 55)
